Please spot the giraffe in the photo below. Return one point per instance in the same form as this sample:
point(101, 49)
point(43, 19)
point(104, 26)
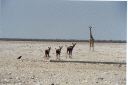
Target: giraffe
point(91, 40)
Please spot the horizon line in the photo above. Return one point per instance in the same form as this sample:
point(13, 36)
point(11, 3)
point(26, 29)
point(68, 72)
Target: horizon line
point(59, 40)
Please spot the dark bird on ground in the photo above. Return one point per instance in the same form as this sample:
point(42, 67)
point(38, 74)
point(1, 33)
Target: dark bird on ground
point(19, 57)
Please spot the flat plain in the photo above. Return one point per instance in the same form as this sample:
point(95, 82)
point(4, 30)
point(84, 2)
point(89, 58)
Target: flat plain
point(34, 69)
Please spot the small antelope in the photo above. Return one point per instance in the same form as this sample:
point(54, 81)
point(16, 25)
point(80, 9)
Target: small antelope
point(58, 52)
point(47, 51)
point(70, 49)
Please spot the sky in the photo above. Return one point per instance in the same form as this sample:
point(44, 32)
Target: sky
point(63, 19)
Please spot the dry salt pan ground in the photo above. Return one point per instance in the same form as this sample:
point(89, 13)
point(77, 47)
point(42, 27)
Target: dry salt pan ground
point(34, 69)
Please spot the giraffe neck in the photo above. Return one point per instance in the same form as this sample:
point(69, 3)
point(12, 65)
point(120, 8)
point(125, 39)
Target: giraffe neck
point(91, 34)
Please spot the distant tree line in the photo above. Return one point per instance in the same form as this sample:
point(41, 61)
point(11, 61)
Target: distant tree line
point(62, 40)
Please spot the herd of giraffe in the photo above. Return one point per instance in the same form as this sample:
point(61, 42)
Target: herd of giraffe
point(69, 48)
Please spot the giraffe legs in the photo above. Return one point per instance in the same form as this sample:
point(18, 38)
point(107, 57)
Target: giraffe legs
point(93, 45)
point(91, 42)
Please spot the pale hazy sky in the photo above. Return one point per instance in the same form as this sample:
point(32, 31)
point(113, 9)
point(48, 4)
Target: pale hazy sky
point(63, 19)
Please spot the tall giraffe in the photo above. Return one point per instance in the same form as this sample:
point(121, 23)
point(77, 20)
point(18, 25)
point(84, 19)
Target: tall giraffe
point(91, 40)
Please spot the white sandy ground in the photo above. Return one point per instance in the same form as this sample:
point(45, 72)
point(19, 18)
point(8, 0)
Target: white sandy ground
point(34, 69)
